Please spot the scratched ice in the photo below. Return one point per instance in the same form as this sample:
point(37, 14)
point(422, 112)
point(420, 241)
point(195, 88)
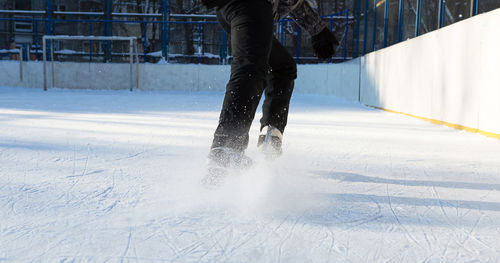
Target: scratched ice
point(94, 176)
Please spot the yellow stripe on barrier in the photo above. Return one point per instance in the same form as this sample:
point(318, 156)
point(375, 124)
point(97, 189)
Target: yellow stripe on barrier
point(449, 124)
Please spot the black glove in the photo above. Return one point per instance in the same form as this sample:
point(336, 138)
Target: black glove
point(324, 44)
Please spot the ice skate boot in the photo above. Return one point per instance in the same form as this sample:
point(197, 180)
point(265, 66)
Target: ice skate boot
point(223, 162)
point(269, 143)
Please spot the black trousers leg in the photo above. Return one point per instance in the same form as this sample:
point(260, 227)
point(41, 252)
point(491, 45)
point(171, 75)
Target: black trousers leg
point(251, 28)
point(280, 84)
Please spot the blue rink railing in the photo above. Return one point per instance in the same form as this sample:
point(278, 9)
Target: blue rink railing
point(367, 26)
point(338, 22)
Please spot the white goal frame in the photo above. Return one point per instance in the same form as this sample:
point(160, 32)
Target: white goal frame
point(132, 54)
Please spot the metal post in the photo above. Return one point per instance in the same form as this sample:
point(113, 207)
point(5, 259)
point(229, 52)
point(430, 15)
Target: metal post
point(474, 7)
point(365, 37)
point(167, 11)
point(145, 40)
point(28, 51)
point(136, 65)
point(109, 18)
point(44, 64)
point(400, 20)
point(90, 42)
point(346, 32)
point(164, 11)
point(442, 7)
point(471, 8)
point(418, 16)
point(131, 51)
point(48, 26)
point(386, 22)
point(21, 63)
point(331, 29)
point(355, 31)
point(200, 47)
point(52, 63)
point(49, 17)
point(108, 29)
point(36, 39)
point(374, 41)
point(358, 14)
point(298, 43)
point(168, 38)
point(23, 50)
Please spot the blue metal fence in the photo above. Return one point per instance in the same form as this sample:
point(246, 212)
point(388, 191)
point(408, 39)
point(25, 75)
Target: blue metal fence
point(52, 23)
point(381, 14)
point(50, 19)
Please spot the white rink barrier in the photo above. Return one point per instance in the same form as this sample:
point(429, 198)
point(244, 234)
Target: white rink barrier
point(450, 76)
point(341, 80)
point(114, 76)
point(314, 79)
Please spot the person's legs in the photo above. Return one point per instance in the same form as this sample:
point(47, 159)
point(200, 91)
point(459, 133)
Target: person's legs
point(280, 84)
point(251, 29)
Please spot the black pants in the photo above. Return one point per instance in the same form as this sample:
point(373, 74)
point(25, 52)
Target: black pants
point(260, 63)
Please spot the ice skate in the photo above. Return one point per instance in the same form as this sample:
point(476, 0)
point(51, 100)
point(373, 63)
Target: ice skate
point(223, 162)
point(269, 143)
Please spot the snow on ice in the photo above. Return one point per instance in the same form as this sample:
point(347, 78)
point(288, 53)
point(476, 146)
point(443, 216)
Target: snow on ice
point(92, 176)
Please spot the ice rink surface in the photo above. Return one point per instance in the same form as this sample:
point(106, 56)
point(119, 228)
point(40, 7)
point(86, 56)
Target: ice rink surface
point(114, 176)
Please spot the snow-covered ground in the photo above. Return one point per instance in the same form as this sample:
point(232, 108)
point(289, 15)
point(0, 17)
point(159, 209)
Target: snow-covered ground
point(92, 176)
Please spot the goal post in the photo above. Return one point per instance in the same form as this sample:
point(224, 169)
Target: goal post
point(48, 43)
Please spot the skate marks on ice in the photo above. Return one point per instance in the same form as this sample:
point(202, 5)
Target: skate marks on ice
point(352, 177)
point(296, 208)
point(251, 218)
point(269, 213)
point(417, 201)
point(121, 182)
point(272, 213)
point(265, 189)
point(436, 227)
